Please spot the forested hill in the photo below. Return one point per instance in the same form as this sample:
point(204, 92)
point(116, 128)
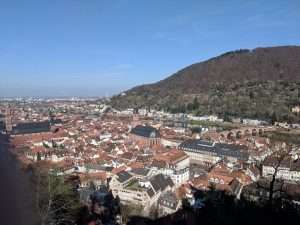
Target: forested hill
point(260, 83)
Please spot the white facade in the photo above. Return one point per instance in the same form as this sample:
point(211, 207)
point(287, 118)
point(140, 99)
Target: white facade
point(283, 173)
point(169, 143)
point(204, 158)
point(179, 171)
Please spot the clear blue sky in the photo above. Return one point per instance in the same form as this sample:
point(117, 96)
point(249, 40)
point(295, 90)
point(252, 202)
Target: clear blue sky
point(100, 47)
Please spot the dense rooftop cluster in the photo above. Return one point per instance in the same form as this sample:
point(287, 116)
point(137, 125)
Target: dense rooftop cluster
point(140, 159)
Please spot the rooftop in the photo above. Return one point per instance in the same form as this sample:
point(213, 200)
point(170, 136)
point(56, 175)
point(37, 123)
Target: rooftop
point(31, 127)
point(145, 131)
point(123, 176)
point(218, 149)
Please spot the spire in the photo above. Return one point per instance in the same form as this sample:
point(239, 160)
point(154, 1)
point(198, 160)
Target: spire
point(8, 120)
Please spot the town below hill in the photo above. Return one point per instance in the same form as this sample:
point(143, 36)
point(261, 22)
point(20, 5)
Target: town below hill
point(93, 164)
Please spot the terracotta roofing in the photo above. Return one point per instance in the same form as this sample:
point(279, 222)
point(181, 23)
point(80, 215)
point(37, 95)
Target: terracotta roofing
point(158, 163)
point(171, 156)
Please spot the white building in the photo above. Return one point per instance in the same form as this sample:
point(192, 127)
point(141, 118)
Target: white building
point(173, 163)
point(145, 192)
point(209, 153)
point(289, 168)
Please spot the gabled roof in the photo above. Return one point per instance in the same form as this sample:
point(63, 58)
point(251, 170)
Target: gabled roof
point(145, 131)
point(56, 121)
point(123, 176)
point(158, 164)
point(287, 162)
point(169, 200)
point(160, 182)
point(93, 166)
point(150, 192)
point(218, 149)
point(140, 171)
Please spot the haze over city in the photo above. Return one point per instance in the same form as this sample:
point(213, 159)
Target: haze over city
point(158, 112)
point(99, 48)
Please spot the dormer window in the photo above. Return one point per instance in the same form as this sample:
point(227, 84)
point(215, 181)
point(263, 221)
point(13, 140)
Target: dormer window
point(152, 135)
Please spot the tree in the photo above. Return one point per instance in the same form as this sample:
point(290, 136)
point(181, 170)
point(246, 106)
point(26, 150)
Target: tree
point(277, 159)
point(185, 204)
point(195, 103)
point(274, 118)
point(38, 157)
point(56, 201)
point(130, 210)
point(153, 213)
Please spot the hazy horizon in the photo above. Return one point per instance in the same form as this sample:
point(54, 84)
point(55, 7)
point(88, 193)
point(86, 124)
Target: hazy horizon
point(100, 48)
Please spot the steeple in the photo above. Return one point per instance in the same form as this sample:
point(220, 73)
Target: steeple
point(8, 120)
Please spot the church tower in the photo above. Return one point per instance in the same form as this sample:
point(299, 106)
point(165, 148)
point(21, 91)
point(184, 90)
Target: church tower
point(8, 120)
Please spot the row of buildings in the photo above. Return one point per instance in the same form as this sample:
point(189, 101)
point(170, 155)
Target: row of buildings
point(141, 160)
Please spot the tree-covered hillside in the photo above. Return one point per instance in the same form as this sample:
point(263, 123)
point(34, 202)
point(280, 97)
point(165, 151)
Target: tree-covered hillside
point(261, 83)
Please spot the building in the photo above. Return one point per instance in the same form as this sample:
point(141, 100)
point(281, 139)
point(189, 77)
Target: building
point(30, 128)
point(145, 192)
point(253, 122)
point(2, 127)
point(168, 204)
point(260, 191)
point(140, 173)
point(296, 109)
point(146, 135)
point(8, 120)
point(173, 163)
point(209, 153)
point(103, 207)
point(289, 168)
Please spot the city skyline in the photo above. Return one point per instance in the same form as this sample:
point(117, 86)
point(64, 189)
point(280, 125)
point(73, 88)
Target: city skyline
point(100, 48)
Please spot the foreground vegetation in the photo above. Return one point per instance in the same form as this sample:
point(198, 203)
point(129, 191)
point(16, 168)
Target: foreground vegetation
point(57, 202)
point(222, 209)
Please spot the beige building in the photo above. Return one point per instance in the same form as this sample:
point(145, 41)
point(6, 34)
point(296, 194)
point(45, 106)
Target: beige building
point(140, 192)
point(209, 153)
point(289, 168)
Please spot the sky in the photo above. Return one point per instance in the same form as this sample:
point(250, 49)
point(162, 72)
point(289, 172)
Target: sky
point(102, 47)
